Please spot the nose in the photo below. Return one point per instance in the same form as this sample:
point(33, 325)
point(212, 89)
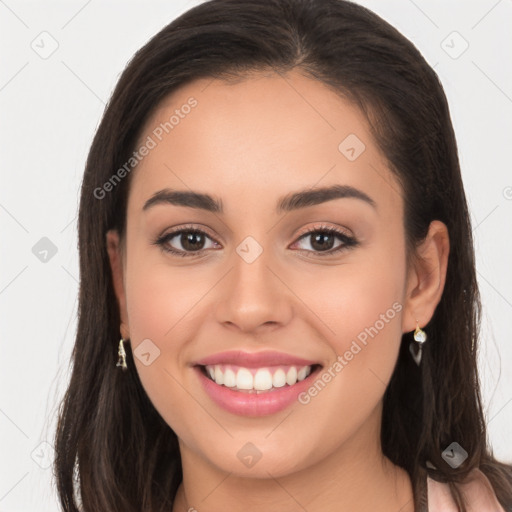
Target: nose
point(254, 295)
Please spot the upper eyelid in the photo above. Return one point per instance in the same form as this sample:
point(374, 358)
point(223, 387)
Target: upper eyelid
point(323, 227)
point(186, 228)
point(304, 232)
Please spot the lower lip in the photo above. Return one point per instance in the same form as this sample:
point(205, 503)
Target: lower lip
point(254, 404)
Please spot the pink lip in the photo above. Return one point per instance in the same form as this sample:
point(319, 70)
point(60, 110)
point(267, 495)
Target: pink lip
point(254, 359)
point(252, 404)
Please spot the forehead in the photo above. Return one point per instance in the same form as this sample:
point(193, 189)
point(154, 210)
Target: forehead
point(257, 139)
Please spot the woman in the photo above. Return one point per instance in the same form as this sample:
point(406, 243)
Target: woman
point(273, 221)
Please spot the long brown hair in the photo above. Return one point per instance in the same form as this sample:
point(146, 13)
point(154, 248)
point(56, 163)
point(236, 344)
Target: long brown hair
point(114, 452)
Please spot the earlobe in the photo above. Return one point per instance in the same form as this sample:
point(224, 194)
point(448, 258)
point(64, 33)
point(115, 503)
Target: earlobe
point(427, 277)
point(116, 266)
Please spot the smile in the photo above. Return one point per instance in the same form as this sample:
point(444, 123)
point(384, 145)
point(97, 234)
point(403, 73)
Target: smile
point(255, 391)
point(256, 379)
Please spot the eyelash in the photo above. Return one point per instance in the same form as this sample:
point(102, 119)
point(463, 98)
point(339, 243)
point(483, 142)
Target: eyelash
point(347, 240)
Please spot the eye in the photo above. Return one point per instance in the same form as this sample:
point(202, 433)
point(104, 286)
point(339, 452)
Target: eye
point(322, 238)
point(191, 240)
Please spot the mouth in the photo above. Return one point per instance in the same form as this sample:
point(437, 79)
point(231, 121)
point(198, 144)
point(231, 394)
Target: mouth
point(257, 380)
point(255, 383)
point(258, 391)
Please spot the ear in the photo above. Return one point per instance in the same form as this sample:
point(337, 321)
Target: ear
point(426, 277)
point(117, 267)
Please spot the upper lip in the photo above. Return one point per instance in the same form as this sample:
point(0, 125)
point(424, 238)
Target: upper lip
point(254, 359)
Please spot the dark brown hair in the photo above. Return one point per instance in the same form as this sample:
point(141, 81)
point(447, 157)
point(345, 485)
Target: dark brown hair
point(114, 452)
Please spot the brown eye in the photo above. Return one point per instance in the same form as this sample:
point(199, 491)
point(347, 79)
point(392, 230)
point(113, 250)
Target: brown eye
point(191, 241)
point(185, 242)
point(322, 241)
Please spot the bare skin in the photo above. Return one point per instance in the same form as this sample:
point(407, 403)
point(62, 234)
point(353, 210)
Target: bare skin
point(249, 144)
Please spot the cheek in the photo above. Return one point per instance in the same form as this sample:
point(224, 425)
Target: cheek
point(366, 341)
point(165, 305)
point(360, 300)
point(160, 299)
point(358, 310)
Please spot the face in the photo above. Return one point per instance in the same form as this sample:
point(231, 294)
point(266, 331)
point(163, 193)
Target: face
point(314, 284)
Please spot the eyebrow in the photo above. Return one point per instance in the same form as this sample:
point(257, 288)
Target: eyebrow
point(290, 202)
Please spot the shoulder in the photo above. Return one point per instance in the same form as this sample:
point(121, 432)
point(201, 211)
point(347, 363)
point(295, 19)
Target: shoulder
point(477, 490)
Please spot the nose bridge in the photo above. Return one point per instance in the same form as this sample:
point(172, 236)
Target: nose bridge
point(252, 294)
point(251, 259)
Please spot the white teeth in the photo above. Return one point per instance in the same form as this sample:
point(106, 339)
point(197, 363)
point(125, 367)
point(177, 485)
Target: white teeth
point(219, 376)
point(244, 379)
point(291, 376)
point(303, 373)
point(229, 378)
point(263, 379)
point(279, 378)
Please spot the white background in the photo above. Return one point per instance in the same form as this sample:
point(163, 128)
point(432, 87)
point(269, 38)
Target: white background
point(49, 110)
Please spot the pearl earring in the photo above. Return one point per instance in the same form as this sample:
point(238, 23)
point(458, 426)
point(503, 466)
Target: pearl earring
point(420, 336)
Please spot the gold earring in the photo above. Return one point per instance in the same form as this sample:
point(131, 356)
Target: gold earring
point(122, 356)
point(420, 336)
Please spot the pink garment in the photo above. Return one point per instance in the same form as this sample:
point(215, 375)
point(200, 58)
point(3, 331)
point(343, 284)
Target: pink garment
point(477, 490)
